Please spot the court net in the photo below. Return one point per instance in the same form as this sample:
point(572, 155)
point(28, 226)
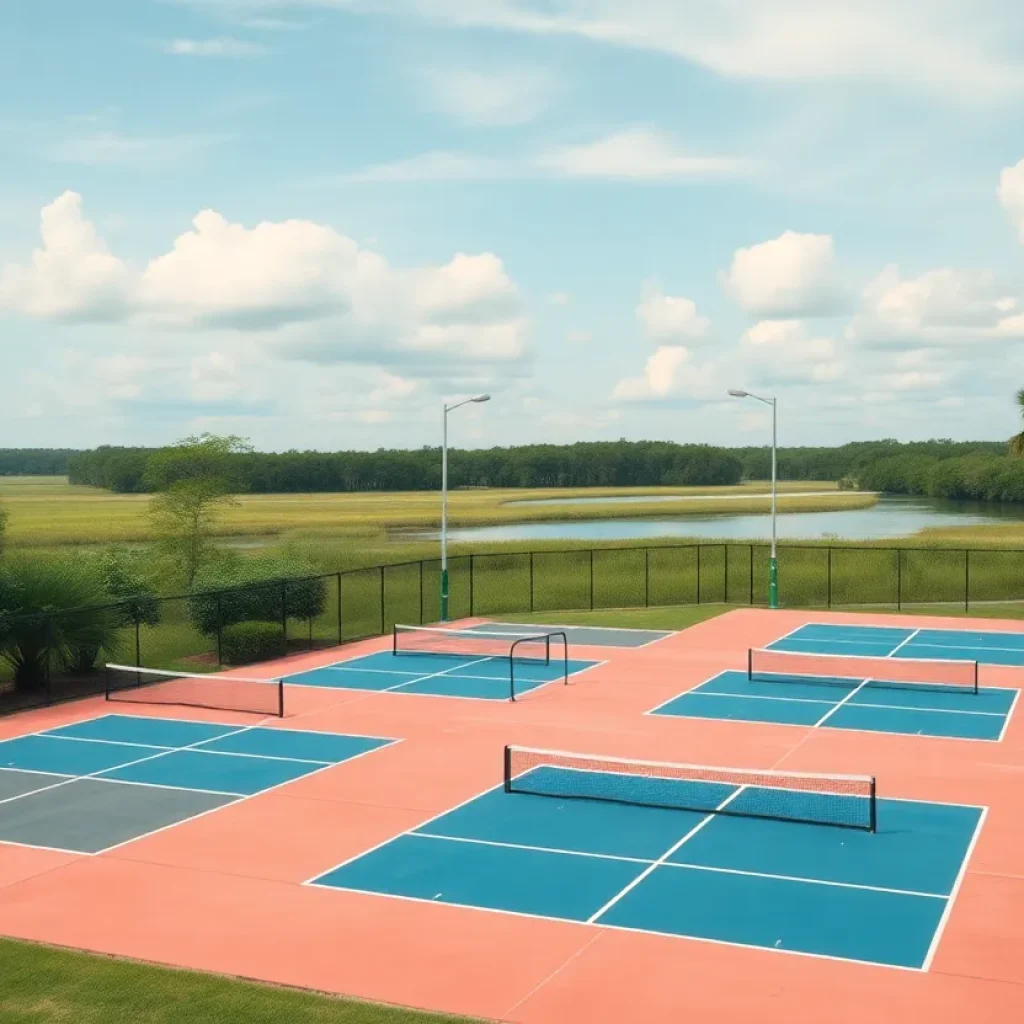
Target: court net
point(850, 670)
point(218, 692)
point(527, 651)
point(847, 801)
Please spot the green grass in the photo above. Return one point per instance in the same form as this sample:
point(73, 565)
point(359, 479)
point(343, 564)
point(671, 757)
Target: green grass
point(48, 511)
point(673, 618)
point(42, 985)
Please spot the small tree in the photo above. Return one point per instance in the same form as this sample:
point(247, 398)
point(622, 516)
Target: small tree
point(1017, 441)
point(194, 480)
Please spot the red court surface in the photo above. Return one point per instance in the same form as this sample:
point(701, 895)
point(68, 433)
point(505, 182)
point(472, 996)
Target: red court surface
point(223, 892)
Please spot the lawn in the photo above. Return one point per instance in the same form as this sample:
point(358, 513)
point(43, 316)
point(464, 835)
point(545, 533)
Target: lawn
point(40, 985)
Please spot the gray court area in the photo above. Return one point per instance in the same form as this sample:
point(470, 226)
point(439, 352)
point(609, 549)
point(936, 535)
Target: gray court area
point(92, 785)
point(588, 636)
point(89, 815)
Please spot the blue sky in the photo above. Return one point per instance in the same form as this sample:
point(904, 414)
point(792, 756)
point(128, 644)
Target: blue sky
point(310, 221)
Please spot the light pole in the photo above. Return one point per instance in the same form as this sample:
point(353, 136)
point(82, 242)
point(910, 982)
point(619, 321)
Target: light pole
point(773, 562)
point(444, 500)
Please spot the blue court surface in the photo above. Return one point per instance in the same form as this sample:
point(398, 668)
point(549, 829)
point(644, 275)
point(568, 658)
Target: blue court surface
point(439, 675)
point(98, 783)
point(867, 705)
point(985, 647)
point(814, 889)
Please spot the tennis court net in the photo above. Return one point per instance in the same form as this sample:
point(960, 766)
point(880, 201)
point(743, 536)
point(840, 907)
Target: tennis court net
point(847, 801)
point(849, 670)
point(216, 691)
point(527, 653)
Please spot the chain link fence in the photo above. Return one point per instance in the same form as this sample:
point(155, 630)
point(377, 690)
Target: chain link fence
point(43, 658)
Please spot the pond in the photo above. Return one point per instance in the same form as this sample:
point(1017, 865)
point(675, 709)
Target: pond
point(891, 517)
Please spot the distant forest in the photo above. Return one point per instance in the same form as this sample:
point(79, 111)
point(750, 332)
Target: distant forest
point(981, 470)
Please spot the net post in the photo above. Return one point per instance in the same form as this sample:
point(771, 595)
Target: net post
point(750, 664)
point(280, 698)
point(512, 674)
point(394, 639)
point(565, 657)
point(106, 682)
point(507, 770)
point(547, 648)
point(873, 808)
point(976, 687)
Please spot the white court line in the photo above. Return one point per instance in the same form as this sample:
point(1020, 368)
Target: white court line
point(713, 869)
point(808, 881)
point(954, 892)
point(697, 692)
point(535, 849)
point(664, 857)
point(111, 743)
point(926, 629)
point(903, 643)
point(1009, 715)
point(828, 714)
point(618, 928)
point(115, 767)
point(249, 796)
point(976, 651)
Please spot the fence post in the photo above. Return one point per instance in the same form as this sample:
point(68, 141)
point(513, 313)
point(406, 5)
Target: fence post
point(381, 601)
point(828, 577)
point(591, 579)
point(750, 548)
point(725, 581)
point(46, 661)
point(647, 577)
point(138, 638)
point(472, 573)
point(284, 613)
point(967, 579)
point(531, 581)
point(220, 632)
point(899, 579)
point(341, 630)
point(421, 591)
point(698, 573)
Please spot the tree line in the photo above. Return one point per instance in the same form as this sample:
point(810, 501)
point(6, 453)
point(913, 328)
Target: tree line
point(972, 469)
point(586, 464)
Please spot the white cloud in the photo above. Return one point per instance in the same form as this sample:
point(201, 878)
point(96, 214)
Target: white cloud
point(636, 154)
point(213, 48)
point(314, 293)
point(1011, 195)
point(945, 307)
point(493, 97)
point(789, 276)
point(956, 50)
point(670, 318)
point(669, 373)
point(639, 154)
point(785, 351)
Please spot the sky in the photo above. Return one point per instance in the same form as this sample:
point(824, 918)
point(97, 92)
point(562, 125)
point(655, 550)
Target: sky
point(312, 222)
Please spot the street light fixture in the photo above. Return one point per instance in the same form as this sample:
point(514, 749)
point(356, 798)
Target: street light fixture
point(444, 499)
point(773, 562)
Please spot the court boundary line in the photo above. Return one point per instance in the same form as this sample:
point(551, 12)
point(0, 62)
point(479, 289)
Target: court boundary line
point(665, 633)
point(1009, 715)
point(936, 629)
point(242, 798)
point(711, 868)
point(904, 642)
point(940, 928)
point(864, 732)
point(527, 915)
point(697, 691)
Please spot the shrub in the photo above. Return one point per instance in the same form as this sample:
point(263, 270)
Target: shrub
point(56, 613)
point(247, 642)
point(264, 588)
point(122, 576)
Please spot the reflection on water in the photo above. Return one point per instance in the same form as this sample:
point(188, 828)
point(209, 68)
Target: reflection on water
point(891, 517)
point(628, 499)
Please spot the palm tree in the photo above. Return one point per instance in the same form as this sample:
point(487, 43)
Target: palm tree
point(1017, 441)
